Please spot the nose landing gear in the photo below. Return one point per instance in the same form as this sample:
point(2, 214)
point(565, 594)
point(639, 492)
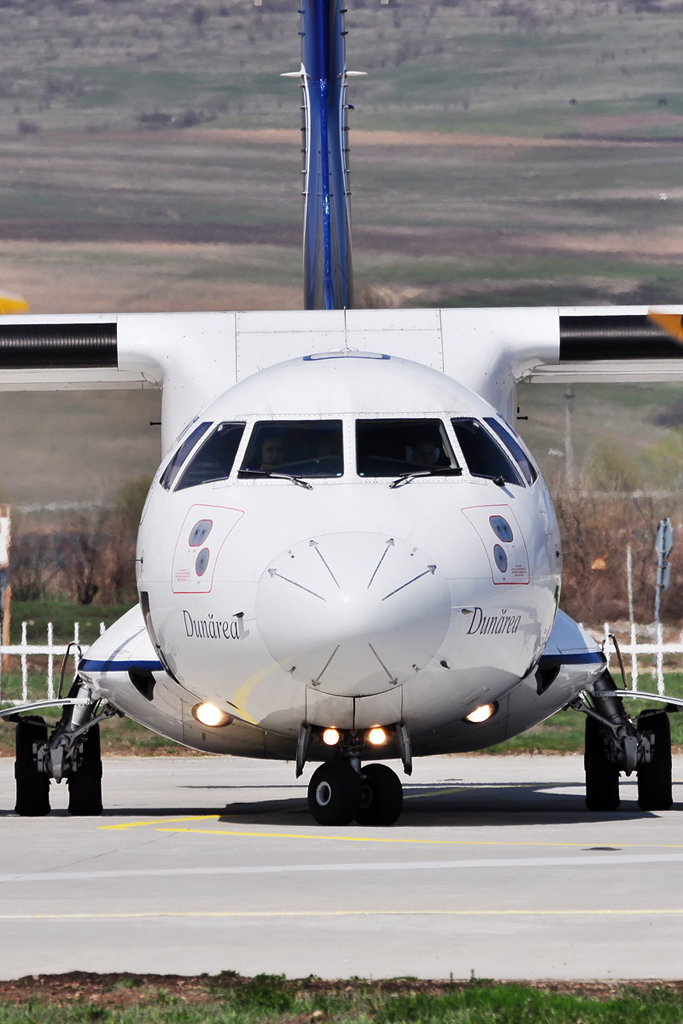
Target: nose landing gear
point(334, 793)
point(338, 795)
point(381, 796)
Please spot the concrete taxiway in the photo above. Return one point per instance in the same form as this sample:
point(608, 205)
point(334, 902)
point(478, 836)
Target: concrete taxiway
point(210, 864)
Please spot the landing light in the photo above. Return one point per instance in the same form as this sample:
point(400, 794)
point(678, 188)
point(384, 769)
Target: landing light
point(331, 737)
point(209, 714)
point(482, 713)
point(377, 737)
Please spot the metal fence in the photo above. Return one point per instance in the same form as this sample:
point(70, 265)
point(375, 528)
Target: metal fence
point(50, 651)
point(633, 650)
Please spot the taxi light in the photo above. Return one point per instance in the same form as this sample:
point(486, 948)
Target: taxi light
point(377, 736)
point(331, 737)
point(209, 714)
point(482, 713)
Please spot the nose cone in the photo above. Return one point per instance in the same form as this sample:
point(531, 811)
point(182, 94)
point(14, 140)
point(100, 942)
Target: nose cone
point(353, 613)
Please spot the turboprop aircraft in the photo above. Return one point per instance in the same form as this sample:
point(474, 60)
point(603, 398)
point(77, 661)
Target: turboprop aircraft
point(347, 554)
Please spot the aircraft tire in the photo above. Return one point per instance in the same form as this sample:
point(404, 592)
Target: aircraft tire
point(602, 777)
point(381, 798)
point(85, 785)
point(334, 793)
point(32, 786)
point(654, 779)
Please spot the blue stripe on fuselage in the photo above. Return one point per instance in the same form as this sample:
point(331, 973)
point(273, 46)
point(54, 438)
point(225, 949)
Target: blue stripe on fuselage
point(86, 665)
point(582, 658)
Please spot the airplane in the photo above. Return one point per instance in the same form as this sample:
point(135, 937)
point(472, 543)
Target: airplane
point(347, 554)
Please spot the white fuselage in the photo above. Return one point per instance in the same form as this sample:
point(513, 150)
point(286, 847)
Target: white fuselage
point(352, 603)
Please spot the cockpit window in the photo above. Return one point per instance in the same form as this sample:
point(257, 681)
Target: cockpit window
point(305, 448)
point(397, 447)
point(513, 446)
point(484, 457)
point(178, 460)
point(214, 459)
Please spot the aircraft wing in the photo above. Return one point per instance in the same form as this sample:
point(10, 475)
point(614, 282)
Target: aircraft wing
point(195, 357)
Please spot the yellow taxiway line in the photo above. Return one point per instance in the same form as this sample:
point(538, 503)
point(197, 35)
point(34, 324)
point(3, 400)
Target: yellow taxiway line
point(319, 835)
point(123, 825)
point(338, 837)
point(411, 842)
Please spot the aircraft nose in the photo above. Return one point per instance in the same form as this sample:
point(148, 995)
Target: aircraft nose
point(353, 613)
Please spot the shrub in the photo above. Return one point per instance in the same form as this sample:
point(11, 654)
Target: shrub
point(92, 555)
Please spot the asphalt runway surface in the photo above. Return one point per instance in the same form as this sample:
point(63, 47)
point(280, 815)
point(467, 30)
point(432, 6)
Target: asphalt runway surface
point(207, 864)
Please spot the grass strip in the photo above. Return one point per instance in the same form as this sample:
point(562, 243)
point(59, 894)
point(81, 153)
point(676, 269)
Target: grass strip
point(166, 999)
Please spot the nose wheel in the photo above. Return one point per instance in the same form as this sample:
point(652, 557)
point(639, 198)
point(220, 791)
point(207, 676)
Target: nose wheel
point(338, 795)
point(381, 796)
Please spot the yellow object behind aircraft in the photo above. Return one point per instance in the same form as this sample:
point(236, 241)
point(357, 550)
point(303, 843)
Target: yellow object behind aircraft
point(10, 303)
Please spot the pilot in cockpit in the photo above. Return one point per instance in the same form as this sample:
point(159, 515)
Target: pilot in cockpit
point(272, 452)
point(426, 451)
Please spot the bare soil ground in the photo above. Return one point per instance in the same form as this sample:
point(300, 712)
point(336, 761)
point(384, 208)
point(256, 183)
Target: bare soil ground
point(130, 276)
point(119, 991)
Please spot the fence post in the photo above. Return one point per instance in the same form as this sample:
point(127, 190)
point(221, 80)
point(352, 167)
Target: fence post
point(629, 582)
point(50, 664)
point(660, 660)
point(77, 640)
point(24, 665)
point(663, 546)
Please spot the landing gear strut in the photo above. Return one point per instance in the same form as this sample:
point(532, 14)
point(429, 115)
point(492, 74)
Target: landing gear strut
point(338, 794)
point(614, 743)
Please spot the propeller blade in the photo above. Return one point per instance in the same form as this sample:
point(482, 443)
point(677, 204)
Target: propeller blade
point(672, 323)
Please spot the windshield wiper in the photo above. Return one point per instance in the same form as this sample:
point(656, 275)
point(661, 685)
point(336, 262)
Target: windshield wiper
point(298, 480)
point(406, 478)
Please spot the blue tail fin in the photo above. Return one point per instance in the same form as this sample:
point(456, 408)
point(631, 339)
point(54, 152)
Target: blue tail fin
point(328, 277)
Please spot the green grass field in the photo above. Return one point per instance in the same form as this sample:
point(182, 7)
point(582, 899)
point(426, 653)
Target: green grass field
point(99, 211)
point(489, 67)
point(227, 998)
point(590, 92)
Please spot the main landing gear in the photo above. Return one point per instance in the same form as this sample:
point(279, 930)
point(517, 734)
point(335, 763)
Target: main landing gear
point(71, 751)
point(338, 794)
point(614, 743)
